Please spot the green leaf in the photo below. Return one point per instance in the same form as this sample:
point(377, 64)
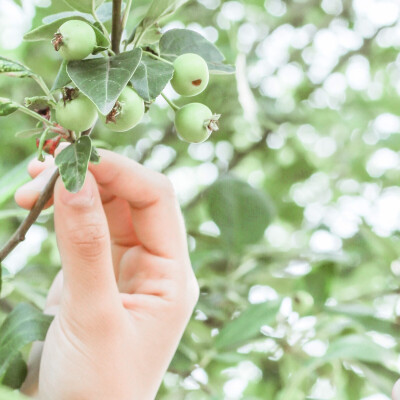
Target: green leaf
point(380, 376)
point(151, 36)
point(357, 348)
point(103, 42)
point(7, 107)
point(158, 10)
point(62, 78)
point(27, 133)
point(14, 68)
point(49, 19)
point(366, 317)
point(24, 325)
point(38, 103)
point(83, 5)
point(103, 79)
point(184, 358)
point(353, 348)
point(73, 163)
point(104, 14)
point(151, 77)
point(50, 27)
point(319, 281)
point(241, 212)
point(247, 325)
point(47, 31)
point(353, 384)
point(16, 373)
point(94, 156)
point(180, 41)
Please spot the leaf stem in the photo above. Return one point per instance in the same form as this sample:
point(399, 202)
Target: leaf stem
point(170, 103)
point(33, 114)
point(157, 57)
point(39, 80)
point(41, 143)
point(116, 31)
point(126, 14)
point(103, 28)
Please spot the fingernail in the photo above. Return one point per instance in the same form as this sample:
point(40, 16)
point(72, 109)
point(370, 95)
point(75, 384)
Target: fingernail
point(83, 198)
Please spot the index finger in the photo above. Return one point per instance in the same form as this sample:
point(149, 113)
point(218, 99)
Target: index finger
point(156, 214)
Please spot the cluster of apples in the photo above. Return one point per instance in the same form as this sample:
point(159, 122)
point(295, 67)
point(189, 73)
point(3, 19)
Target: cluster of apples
point(194, 122)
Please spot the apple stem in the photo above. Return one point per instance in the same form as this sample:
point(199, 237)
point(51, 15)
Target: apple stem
point(170, 103)
point(157, 57)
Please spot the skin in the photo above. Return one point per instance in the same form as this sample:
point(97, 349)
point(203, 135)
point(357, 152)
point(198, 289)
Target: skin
point(396, 391)
point(191, 75)
point(132, 111)
point(189, 122)
point(126, 290)
point(76, 115)
point(78, 39)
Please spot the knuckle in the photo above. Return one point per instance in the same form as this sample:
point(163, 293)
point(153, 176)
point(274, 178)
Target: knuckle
point(185, 295)
point(165, 186)
point(32, 167)
point(89, 240)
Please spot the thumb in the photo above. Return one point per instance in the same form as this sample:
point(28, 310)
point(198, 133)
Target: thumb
point(83, 241)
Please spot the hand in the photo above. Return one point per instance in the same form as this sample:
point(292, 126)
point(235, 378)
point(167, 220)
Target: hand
point(396, 391)
point(126, 290)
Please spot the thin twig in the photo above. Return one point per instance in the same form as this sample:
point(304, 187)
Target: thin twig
point(20, 233)
point(116, 31)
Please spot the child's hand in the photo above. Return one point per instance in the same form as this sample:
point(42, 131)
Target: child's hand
point(126, 290)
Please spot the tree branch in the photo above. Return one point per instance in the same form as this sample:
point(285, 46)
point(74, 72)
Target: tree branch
point(116, 31)
point(20, 233)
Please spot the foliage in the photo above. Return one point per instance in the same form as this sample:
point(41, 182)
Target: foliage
point(297, 192)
